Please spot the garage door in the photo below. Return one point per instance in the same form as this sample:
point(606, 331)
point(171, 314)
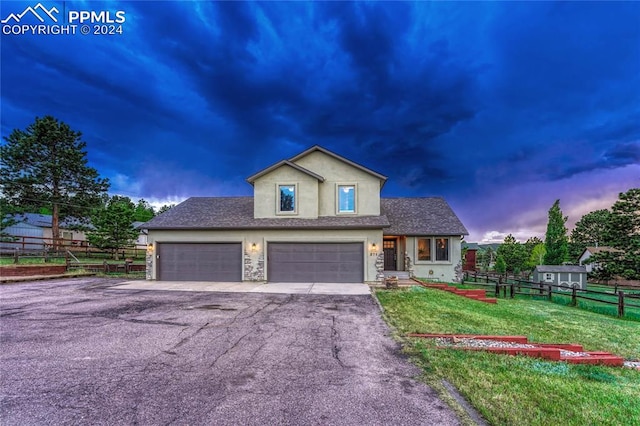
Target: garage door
point(199, 262)
point(316, 262)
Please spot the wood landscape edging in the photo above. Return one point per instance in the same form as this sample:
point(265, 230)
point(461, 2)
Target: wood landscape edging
point(549, 351)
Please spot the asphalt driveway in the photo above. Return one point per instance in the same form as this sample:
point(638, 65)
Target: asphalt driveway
point(80, 352)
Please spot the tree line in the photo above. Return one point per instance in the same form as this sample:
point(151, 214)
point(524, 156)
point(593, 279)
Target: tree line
point(617, 229)
point(44, 169)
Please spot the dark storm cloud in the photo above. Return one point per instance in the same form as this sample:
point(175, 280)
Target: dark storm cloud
point(463, 100)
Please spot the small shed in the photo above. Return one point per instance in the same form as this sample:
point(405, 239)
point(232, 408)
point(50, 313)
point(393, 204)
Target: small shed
point(562, 277)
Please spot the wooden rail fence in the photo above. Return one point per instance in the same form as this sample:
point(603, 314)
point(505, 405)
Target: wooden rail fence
point(505, 287)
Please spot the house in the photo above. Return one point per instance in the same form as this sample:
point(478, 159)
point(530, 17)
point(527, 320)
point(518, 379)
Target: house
point(590, 251)
point(33, 231)
point(562, 277)
point(316, 217)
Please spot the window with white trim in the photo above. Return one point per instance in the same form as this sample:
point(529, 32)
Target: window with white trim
point(442, 249)
point(424, 249)
point(433, 249)
point(346, 198)
point(287, 202)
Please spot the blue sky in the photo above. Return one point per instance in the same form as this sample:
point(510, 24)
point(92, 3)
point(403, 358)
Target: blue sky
point(500, 107)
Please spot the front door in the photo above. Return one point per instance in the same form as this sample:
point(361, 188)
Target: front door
point(390, 255)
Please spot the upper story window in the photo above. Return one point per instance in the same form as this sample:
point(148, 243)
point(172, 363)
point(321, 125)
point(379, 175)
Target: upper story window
point(346, 198)
point(287, 199)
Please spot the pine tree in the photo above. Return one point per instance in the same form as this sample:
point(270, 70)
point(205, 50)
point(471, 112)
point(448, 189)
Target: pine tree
point(113, 225)
point(590, 230)
point(45, 166)
point(555, 243)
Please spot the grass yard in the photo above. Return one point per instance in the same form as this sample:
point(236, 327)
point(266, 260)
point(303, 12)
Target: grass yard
point(509, 390)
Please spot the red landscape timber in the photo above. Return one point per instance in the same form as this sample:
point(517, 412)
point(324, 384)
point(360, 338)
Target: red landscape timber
point(550, 351)
point(32, 270)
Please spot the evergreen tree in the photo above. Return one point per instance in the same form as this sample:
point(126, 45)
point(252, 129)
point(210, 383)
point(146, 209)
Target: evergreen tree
point(501, 265)
point(623, 233)
point(144, 211)
point(45, 166)
point(113, 225)
point(513, 254)
point(590, 231)
point(555, 242)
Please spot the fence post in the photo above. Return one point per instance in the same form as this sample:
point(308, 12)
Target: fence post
point(106, 266)
point(620, 304)
point(511, 289)
point(498, 285)
point(574, 300)
point(16, 258)
point(475, 276)
point(615, 287)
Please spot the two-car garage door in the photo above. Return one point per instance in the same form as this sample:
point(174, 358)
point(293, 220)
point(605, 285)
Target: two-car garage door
point(316, 262)
point(199, 261)
point(286, 262)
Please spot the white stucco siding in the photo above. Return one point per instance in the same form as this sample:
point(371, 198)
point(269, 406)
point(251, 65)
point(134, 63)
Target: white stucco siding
point(440, 270)
point(336, 172)
point(585, 256)
point(266, 197)
point(261, 238)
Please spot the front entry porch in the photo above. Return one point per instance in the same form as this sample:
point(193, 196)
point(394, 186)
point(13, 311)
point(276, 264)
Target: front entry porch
point(394, 251)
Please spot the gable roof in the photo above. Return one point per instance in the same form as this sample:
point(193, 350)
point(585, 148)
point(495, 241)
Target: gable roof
point(237, 213)
point(340, 158)
point(279, 164)
point(560, 268)
point(400, 216)
point(601, 249)
point(421, 216)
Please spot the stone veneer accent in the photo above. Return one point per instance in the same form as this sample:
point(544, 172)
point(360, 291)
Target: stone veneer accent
point(459, 275)
point(408, 265)
point(253, 271)
point(380, 267)
point(149, 261)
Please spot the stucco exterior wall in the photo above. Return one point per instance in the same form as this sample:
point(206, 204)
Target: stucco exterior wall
point(442, 271)
point(265, 193)
point(255, 260)
point(337, 173)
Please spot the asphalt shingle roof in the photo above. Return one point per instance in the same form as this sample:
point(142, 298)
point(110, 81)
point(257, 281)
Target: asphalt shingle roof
point(400, 216)
point(237, 213)
point(421, 216)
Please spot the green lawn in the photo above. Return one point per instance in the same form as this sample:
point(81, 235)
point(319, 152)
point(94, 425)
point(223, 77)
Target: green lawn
point(519, 390)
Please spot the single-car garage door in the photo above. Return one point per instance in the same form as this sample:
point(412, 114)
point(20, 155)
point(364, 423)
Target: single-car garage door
point(199, 261)
point(315, 262)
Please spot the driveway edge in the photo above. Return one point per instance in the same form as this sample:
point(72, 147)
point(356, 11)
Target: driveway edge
point(447, 392)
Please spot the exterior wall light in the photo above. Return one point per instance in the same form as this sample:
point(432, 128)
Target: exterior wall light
point(150, 248)
point(374, 247)
point(254, 247)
